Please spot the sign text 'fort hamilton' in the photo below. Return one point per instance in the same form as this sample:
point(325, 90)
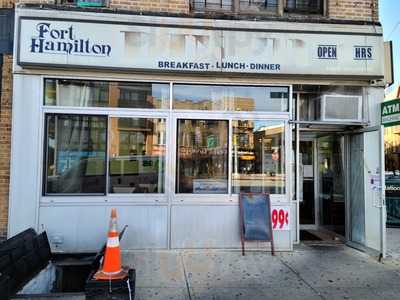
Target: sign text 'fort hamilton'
point(64, 41)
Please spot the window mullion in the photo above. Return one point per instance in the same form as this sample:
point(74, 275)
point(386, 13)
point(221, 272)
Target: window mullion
point(107, 156)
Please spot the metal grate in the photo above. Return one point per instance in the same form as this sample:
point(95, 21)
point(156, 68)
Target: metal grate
point(305, 6)
point(228, 5)
point(212, 5)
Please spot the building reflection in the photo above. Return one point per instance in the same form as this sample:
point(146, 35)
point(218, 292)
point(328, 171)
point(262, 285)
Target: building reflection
point(258, 160)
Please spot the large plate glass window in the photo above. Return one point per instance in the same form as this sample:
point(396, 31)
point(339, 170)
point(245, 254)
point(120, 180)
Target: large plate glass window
point(137, 155)
point(231, 98)
point(258, 156)
point(202, 156)
point(90, 93)
point(75, 158)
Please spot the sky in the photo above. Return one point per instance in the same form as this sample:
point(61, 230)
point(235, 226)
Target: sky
point(389, 16)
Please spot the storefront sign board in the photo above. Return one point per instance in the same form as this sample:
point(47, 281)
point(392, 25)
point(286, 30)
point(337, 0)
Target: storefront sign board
point(90, 44)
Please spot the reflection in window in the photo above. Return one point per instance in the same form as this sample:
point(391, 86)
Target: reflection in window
point(230, 98)
point(258, 157)
point(137, 155)
point(89, 93)
point(75, 156)
point(202, 157)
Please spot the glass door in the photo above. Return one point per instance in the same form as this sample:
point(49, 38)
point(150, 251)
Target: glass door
point(307, 182)
point(331, 183)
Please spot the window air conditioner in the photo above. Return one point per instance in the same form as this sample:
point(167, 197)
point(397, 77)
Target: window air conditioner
point(340, 108)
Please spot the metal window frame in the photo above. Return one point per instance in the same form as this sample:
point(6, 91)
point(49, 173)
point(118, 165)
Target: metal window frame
point(45, 155)
point(170, 115)
point(306, 11)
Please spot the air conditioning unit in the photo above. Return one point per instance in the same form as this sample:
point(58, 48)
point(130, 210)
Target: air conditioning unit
point(341, 108)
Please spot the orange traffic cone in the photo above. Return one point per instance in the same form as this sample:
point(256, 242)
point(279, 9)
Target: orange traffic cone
point(112, 268)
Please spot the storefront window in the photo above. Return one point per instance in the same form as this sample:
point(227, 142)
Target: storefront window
point(137, 155)
point(258, 156)
point(75, 157)
point(202, 157)
point(84, 93)
point(392, 174)
point(230, 98)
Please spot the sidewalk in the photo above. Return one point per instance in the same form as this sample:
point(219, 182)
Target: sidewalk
point(310, 272)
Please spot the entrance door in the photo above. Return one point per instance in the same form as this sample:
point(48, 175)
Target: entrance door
point(322, 184)
point(307, 184)
point(366, 206)
point(331, 183)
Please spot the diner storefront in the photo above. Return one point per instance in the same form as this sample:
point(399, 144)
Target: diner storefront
point(169, 121)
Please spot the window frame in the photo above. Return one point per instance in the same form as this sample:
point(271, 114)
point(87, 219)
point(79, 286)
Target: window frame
point(283, 113)
point(170, 115)
point(137, 116)
point(45, 156)
point(229, 197)
point(279, 11)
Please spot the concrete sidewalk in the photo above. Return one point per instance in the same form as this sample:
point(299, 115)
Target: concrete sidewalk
point(310, 272)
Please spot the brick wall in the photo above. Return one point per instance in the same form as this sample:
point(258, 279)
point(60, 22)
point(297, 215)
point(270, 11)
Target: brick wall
point(170, 6)
point(360, 10)
point(5, 142)
point(7, 3)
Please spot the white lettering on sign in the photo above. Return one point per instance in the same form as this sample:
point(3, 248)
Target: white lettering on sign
point(391, 109)
point(280, 217)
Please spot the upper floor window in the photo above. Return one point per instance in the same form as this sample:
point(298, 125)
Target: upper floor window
point(212, 5)
point(259, 6)
point(304, 6)
point(248, 6)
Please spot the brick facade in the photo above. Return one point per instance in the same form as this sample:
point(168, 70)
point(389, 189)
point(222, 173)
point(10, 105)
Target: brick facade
point(5, 142)
point(170, 6)
point(356, 10)
point(7, 3)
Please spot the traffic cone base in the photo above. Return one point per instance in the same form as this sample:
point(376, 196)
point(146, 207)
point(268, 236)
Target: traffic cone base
point(121, 274)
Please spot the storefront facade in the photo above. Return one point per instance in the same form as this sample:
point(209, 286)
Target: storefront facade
point(169, 119)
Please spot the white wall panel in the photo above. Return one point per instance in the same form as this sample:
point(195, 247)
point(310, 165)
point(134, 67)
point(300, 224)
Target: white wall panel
point(26, 123)
point(213, 226)
point(84, 228)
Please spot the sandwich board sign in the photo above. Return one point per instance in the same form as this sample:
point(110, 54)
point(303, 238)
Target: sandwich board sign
point(255, 218)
